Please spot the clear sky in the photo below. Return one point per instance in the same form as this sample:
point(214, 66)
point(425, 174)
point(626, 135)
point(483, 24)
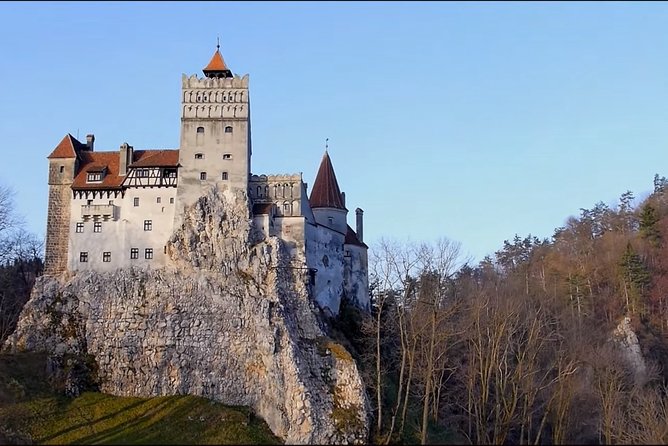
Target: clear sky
point(471, 121)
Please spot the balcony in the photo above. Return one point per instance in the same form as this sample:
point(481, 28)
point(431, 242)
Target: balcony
point(104, 211)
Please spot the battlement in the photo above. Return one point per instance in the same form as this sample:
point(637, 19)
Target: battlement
point(290, 177)
point(194, 81)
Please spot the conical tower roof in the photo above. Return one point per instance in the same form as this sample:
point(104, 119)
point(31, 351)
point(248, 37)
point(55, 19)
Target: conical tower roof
point(67, 148)
point(217, 66)
point(326, 192)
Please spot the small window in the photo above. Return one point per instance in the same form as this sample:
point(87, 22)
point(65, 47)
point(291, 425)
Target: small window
point(202, 176)
point(224, 175)
point(136, 201)
point(83, 256)
point(89, 202)
point(200, 129)
point(95, 176)
point(199, 156)
point(228, 129)
point(169, 173)
point(227, 156)
point(134, 253)
point(97, 226)
point(62, 169)
point(330, 220)
point(111, 202)
point(143, 173)
point(80, 226)
point(106, 256)
point(171, 200)
point(148, 225)
point(286, 207)
point(158, 200)
point(148, 253)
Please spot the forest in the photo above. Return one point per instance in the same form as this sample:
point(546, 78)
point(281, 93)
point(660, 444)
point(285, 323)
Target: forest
point(552, 341)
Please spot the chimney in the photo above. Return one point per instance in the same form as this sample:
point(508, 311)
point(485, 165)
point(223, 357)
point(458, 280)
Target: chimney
point(125, 158)
point(358, 214)
point(90, 140)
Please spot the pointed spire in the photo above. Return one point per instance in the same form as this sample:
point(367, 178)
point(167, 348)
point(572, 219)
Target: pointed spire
point(326, 192)
point(217, 66)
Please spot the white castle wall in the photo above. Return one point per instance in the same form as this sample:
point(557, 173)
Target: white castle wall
point(124, 231)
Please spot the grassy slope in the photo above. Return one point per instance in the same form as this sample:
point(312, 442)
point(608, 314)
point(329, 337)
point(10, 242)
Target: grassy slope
point(30, 411)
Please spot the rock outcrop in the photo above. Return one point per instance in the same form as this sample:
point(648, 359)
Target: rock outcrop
point(230, 319)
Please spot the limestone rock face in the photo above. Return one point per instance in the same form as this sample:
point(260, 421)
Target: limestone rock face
point(229, 320)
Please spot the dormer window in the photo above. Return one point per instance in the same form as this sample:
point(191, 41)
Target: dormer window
point(94, 177)
point(95, 174)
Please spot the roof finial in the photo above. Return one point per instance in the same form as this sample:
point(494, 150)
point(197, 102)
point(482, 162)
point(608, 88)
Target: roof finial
point(326, 144)
point(218, 43)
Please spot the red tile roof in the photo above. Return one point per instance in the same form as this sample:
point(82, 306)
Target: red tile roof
point(94, 161)
point(326, 192)
point(351, 238)
point(67, 148)
point(155, 158)
point(217, 63)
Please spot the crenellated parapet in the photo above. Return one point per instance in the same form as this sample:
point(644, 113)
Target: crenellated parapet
point(214, 97)
point(284, 190)
point(195, 82)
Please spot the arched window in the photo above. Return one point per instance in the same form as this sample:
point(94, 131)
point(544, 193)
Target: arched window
point(200, 129)
point(228, 129)
point(202, 175)
point(286, 208)
point(259, 191)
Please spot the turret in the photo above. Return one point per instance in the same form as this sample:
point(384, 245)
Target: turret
point(327, 201)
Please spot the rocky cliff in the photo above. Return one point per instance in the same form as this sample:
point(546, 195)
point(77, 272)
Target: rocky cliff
point(230, 319)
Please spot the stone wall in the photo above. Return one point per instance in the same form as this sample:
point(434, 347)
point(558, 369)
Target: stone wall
point(227, 319)
point(57, 229)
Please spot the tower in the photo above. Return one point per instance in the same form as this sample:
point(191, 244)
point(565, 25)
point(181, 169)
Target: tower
point(215, 142)
point(327, 200)
point(63, 164)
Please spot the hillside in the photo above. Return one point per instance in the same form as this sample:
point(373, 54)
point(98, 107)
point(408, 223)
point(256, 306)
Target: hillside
point(32, 410)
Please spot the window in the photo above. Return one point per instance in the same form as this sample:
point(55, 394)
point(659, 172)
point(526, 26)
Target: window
point(148, 225)
point(169, 173)
point(200, 129)
point(83, 256)
point(171, 200)
point(62, 169)
point(158, 200)
point(94, 176)
point(134, 253)
point(148, 253)
point(330, 220)
point(286, 208)
point(142, 173)
point(224, 175)
point(228, 129)
point(202, 175)
point(80, 226)
point(97, 226)
point(111, 202)
point(106, 256)
point(89, 202)
point(227, 156)
point(199, 156)
point(136, 201)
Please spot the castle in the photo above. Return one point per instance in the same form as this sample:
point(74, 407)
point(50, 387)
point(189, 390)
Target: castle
point(109, 210)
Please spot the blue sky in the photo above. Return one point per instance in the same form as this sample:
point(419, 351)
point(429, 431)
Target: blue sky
point(471, 121)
